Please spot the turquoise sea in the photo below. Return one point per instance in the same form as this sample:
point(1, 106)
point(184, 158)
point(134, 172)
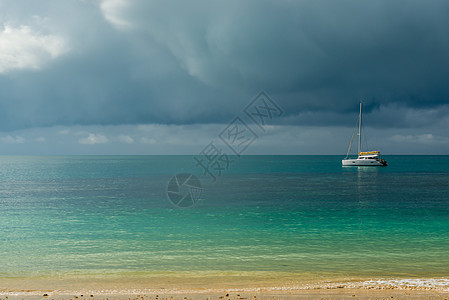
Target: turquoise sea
point(265, 220)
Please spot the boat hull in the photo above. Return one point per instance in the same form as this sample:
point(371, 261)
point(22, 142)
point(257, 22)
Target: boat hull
point(363, 162)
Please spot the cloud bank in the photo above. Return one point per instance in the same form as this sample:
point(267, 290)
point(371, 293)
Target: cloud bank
point(116, 62)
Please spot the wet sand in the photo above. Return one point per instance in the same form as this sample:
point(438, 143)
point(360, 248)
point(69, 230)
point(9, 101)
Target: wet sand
point(237, 295)
point(220, 288)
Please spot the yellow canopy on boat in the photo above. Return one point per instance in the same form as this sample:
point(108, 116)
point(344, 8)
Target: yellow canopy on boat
point(369, 152)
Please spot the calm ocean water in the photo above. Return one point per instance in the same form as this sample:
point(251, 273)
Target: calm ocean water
point(303, 215)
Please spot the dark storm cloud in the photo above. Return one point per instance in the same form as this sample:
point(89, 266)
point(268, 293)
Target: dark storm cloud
point(181, 62)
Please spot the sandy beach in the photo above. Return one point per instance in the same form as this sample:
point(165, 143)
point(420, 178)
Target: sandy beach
point(141, 289)
point(234, 295)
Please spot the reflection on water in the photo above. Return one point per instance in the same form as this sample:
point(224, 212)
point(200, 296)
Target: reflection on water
point(367, 178)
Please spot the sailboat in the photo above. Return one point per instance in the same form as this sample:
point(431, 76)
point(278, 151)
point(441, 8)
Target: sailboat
point(366, 158)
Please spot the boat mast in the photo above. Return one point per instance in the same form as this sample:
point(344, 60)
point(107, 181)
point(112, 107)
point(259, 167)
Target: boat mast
point(360, 131)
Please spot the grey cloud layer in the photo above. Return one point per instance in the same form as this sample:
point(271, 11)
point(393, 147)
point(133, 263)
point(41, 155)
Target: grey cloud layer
point(182, 62)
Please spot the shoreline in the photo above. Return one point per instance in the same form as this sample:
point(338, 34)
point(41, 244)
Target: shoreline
point(344, 293)
point(429, 288)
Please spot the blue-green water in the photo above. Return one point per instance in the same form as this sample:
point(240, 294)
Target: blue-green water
point(306, 215)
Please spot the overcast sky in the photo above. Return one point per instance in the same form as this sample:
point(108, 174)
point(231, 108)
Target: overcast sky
point(167, 77)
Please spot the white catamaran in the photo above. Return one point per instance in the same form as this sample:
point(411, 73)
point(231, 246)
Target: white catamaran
point(368, 158)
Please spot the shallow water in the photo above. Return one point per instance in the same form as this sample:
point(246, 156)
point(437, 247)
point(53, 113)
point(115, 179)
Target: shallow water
point(297, 218)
